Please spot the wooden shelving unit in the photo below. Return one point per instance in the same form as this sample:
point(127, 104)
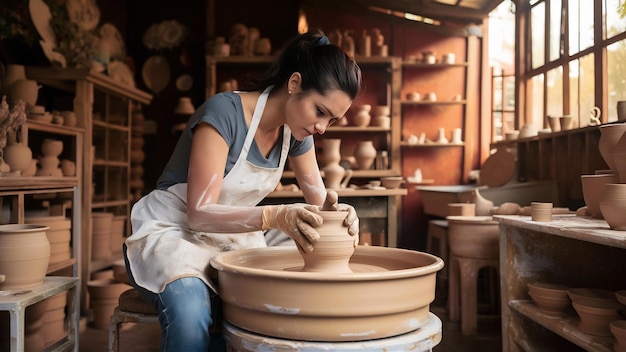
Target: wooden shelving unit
point(103, 108)
point(571, 251)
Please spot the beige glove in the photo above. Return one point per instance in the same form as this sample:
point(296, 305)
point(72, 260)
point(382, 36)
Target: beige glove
point(351, 220)
point(297, 220)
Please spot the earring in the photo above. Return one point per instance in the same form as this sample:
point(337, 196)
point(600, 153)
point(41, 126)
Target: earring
point(289, 92)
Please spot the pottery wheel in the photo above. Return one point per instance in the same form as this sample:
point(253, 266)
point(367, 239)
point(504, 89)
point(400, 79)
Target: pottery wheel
point(388, 294)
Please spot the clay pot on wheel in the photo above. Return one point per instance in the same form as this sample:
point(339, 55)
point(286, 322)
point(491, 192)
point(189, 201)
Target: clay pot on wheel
point(332, 252)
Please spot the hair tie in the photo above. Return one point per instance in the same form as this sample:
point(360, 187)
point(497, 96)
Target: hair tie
point(323, 40)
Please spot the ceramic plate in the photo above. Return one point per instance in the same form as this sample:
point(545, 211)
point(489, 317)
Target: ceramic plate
point(40, 14)
point(497, 169)
point(184, 82)
point(84, 13)
point(156, 73)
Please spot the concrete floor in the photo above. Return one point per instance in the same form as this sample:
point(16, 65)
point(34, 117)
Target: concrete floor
point(145, 337)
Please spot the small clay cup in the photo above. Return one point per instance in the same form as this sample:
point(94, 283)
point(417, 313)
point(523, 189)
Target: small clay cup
point(541, 212)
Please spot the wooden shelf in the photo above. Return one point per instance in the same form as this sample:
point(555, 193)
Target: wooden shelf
point(565, 326)
point(52, 268)
point(431, 145)
point(434, 102)
point(414, 64)
point(45, 184)
point(348, 192)
point(342, 129)
point(357, 173)
point(53, 128)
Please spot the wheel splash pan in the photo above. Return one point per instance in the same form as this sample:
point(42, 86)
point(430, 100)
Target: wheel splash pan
point(388, 294)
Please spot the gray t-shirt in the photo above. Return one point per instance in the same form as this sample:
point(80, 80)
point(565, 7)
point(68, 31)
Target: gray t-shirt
point(224, 111)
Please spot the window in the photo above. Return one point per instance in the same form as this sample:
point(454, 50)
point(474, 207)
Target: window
point(574, 60)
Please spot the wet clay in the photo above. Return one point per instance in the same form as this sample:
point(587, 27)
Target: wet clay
point(332, 252)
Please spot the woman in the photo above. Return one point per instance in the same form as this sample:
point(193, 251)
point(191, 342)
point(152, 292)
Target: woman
point(229, 158)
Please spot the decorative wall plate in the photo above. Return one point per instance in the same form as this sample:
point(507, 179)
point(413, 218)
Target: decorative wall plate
point(84, 13)
point(184, 82)
point(498, 168)
point(156, 73)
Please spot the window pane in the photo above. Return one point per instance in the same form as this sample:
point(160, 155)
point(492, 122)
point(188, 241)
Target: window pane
point(616, 76)
point(580, 25)
point(615, 22)
point(537, 32)
point(535, 103)
point(582, 97)
point(555, 29)
point(554, 86)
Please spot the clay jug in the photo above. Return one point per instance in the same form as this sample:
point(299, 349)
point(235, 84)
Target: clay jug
point(609, 136)
point(17, 155)
point(24, 256)
point(483, 205)
point(332, 252)
point(365, 154)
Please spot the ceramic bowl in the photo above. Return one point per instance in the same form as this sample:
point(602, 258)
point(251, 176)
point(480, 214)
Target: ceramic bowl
point(596, 316)
point(549, 290)
point(618, 329)
point(588, 296)
point(549, 305)
point(621, 296)
point(593, 186)
point(391, 182)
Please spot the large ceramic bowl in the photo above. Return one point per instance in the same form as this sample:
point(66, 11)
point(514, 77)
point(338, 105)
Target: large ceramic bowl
point(551, 299)
point(389, 292)
point(618, 329)
point(596, 317)
point(588, 296)
point(474, 236)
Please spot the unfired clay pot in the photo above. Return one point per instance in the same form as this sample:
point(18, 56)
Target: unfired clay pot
point(332, 252)
point(593, 187)
point(609, 136)
point(473, 236)
point(319, 306)
point(365, 154)
point(24, 256)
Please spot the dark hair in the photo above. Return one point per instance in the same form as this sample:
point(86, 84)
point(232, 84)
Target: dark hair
point(323, 66)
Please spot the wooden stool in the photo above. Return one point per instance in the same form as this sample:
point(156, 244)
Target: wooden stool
point(464, 271)
point(131, 309)
point(437, 243)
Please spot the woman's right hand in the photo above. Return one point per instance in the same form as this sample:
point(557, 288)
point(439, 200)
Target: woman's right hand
point(296, 220)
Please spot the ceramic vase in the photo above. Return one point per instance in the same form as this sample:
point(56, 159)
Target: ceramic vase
point(17, 155)
point(24, 89)
point(593, 187)
point(361, 115)
point(365, 154)
point(332, 252)
point(609, 136)
point(24, 256)
point(613, 205)
point(483, 205)
point(619, 159)
point(335, 176)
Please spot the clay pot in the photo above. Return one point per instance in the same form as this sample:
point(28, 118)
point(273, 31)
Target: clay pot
point(391, 182)
point(104, 295)
point(17, 155)
point(24, 255)
point(365, 154)
point(461, 209)
point(118, 224)
point(593, 187)
point(474, 236)
point(59, 235)
point(51, 147)
point(609, 136)
point(550, 298)
point(49, 166)
point(618, 329)
point(619, 158)
point(12, 74)
point(361, 115)
point(68, 167)
point(101, 235)
point(332, 252)
point(613, 205)
point(24, 89)
point(53, 320)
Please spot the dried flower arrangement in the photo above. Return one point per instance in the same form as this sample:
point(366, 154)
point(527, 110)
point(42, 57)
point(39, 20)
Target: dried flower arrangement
point(11, 120)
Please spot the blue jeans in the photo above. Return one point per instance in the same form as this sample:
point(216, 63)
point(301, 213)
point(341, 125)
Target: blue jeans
point(184, 309)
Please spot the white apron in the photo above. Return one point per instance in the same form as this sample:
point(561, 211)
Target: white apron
point(163, 248)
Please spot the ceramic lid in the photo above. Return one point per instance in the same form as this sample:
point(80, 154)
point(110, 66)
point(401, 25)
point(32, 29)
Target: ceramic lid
point(498, 168)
